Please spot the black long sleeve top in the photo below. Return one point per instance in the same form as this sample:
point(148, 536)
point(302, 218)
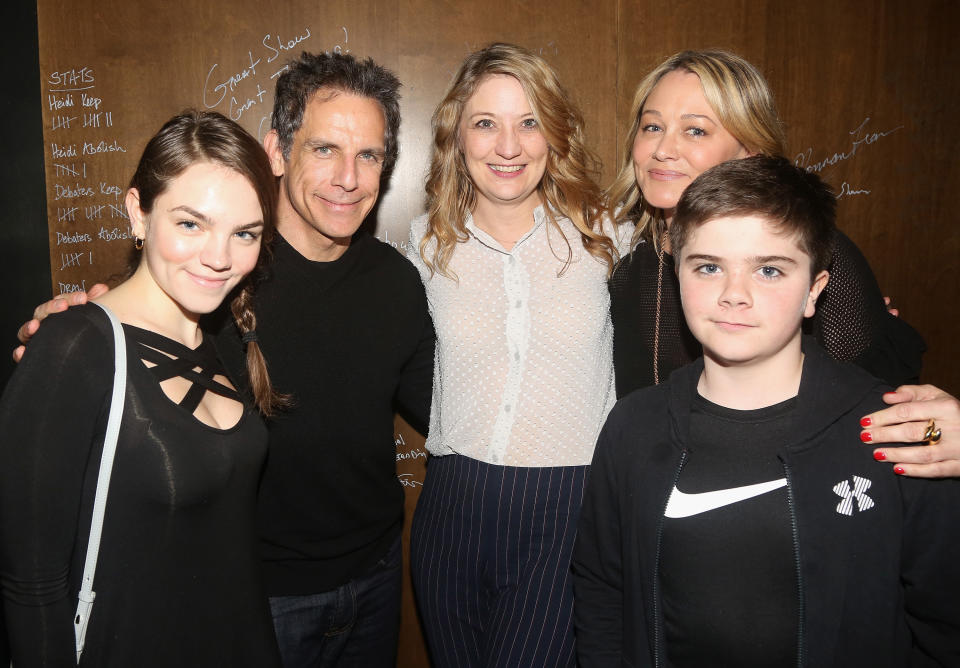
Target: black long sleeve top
point(177, 581)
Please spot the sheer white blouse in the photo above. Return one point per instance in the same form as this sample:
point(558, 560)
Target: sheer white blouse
point(523, 374)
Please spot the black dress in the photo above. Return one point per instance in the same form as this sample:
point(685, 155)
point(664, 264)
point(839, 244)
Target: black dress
point(851, 321)
point(177, 581)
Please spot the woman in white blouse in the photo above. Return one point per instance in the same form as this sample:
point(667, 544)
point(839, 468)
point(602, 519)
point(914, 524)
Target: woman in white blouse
point(515, 255)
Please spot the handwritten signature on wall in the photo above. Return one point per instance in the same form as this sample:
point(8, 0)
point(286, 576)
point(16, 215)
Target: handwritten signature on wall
point(859, 138)
point(405, 453)
point(248, 77)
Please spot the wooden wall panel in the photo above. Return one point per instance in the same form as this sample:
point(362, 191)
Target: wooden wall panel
point(880, 80)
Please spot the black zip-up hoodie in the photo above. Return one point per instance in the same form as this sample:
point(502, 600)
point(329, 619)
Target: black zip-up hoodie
point(879, 586)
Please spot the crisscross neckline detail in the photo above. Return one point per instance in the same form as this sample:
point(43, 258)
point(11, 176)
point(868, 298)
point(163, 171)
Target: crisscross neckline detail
point(172, 359)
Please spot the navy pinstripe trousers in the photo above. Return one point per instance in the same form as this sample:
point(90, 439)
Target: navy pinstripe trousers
point(490, 558)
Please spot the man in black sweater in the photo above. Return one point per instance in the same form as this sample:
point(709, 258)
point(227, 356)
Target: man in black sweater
point(344, 326)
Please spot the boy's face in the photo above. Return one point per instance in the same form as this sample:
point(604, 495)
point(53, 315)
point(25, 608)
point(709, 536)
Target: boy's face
point(746, 289)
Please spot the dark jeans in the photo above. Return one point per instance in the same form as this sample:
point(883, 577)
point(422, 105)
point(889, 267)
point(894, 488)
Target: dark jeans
point(356, 624)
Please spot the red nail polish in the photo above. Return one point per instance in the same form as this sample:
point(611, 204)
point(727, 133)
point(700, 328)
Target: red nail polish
point(879, 455)
point(898, 470)
point(866, 436)
point(865, 422)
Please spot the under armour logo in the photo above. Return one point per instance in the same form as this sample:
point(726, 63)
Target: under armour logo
point(860, 486)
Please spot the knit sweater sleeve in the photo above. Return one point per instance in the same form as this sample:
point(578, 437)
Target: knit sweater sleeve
point(51, 415)
point(419, 404)
point(414, 391)
point(852, 322)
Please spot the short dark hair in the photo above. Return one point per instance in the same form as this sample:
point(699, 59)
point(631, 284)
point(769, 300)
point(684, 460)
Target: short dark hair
point(797, 202)
point(338, 72)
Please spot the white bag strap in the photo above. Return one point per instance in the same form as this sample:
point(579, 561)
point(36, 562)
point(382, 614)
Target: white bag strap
point(86, 596)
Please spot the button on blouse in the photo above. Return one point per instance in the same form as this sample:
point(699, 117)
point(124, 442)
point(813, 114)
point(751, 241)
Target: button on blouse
point(523, 372)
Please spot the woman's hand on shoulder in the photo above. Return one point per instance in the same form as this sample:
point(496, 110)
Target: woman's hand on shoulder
point(59, 303)
point(916, 413)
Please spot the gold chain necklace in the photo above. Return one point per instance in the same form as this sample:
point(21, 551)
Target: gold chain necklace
point(656, 321)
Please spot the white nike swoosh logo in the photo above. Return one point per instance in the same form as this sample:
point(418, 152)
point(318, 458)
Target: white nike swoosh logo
point(685, 505)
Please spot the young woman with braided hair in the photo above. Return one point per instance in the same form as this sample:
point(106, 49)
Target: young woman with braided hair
point(177, 579)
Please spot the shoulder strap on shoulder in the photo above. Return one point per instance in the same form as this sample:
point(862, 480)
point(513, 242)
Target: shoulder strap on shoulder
point(86, 596)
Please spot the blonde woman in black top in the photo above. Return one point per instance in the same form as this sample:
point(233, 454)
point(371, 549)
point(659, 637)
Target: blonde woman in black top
point(698, 109)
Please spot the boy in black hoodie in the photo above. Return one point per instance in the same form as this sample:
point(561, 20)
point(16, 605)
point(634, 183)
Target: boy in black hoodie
point(732, 516)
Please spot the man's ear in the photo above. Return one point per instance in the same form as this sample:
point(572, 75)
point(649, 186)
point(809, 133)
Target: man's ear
point(271, 144)
point(137, 217)
point(819, 283)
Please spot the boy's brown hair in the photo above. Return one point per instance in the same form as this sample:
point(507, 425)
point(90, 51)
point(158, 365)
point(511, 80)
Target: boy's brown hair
point(795, 201)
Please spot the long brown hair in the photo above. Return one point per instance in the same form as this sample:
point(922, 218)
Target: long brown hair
point(205, 136)
point(567, 187)
point(737, 93)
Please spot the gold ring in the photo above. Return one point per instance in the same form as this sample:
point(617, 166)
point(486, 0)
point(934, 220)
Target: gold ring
point(932, 433)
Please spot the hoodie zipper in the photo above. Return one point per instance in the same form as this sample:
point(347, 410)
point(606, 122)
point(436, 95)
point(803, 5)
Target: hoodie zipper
point(796, 562)
point(657, 630)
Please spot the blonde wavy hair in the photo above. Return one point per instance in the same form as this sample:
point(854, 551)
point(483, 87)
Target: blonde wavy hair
point(568, 186)
point(737, 93)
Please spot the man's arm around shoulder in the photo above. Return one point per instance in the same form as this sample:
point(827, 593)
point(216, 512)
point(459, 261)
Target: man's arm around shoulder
point(59, 303)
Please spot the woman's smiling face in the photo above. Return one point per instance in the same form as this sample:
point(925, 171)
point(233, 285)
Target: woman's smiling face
point(680, 137)
point(503, 148)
